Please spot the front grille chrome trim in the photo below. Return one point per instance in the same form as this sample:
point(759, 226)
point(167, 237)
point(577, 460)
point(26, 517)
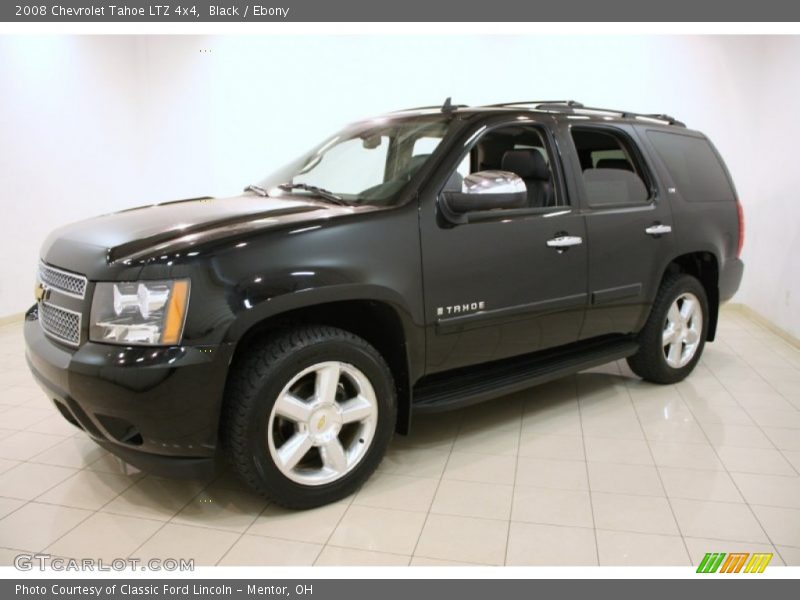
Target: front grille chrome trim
point(48, 328)
point(66, 282)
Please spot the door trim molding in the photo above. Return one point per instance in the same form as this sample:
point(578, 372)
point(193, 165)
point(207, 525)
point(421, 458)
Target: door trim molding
point(498, 316)
point(621, 292)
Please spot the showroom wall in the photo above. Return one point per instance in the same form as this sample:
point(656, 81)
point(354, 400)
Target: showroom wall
point(96, 124)
point(772, 283)
point(69, 146)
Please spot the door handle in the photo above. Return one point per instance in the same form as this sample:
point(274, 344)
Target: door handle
point(658, 229)
point(564, 241)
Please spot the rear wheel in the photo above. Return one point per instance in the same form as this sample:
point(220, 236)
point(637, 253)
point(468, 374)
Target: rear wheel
point(672, 341)
point(309, 415)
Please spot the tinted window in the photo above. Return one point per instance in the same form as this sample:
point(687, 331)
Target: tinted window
point(599, 156)
point(693, 166)
point(370, 162)
point(612, 175)
point(327, 172)
point(425, 145)
point(530, 161)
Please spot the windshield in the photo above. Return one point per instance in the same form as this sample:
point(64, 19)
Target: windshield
point(368, 163)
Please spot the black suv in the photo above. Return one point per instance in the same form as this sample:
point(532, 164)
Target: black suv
point(417, 262)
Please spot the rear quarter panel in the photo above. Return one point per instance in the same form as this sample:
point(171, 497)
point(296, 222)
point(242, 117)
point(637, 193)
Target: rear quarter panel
point(699, 226)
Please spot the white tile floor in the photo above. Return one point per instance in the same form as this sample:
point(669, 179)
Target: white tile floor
point(599, 468)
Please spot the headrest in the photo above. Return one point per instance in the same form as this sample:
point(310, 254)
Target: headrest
point(528, 164)
point(614, 163)
point(613, 186)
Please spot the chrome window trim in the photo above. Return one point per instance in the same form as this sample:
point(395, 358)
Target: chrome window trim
point(73, 343)
point(82, 278)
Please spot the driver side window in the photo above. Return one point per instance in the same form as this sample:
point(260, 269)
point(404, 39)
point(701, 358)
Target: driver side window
point(520, 149)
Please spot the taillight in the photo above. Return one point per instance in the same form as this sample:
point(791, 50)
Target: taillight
point(741, 229)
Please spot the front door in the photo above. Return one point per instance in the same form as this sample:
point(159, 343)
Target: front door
point(512, 284)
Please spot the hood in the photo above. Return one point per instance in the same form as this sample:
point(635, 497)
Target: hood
point(161, 228)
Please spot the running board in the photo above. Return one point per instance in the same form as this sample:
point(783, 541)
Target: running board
point(470, 385)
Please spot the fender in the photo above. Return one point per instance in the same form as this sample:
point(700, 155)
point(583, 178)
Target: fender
point(288, 302)
point(276, 305)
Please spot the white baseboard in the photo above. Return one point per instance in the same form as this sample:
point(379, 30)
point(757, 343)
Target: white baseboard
point(763, 321)
point(12, 319)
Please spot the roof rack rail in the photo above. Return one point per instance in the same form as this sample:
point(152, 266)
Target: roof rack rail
point(562, 106)
point(574, 107)
point(663, 117)
point(446, 107)
point(626, 114)
point(537, 103)
point(399, 110)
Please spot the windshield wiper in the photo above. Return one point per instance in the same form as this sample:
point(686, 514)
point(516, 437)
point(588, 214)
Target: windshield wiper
point(257, 189)
point(317, 191)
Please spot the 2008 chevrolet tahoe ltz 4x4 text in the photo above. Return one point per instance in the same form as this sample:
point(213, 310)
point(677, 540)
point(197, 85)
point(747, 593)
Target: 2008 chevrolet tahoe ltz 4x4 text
point(417, 262)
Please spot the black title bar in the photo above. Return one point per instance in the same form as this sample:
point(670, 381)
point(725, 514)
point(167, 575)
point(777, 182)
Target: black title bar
point(164, 11)
point(740, 588)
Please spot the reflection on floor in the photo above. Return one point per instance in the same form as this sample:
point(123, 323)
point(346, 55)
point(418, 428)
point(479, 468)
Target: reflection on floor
point(599, 468)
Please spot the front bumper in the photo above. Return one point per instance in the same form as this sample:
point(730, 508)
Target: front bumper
point(157, 408)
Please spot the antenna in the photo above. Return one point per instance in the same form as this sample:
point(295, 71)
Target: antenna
point(448, 107)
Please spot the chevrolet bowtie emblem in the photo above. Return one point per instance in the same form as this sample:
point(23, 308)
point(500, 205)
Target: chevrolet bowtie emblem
point(38, 291)
point(321, 423)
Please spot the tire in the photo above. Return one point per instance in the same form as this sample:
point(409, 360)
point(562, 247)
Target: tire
point(658, 361)
point(287, 405)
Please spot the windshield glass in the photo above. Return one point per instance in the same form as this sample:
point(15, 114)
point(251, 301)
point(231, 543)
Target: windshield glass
point(368, 163)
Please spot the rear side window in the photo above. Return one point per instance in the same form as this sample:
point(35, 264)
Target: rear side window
point(694, 167)
point(612, 173)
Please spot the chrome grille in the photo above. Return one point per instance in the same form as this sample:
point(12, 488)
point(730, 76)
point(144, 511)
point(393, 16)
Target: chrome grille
point(60, 323)
point(63, 281)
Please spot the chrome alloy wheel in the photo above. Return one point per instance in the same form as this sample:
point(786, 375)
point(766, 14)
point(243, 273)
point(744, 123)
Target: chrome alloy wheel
point(682, 330)
point(322, 423)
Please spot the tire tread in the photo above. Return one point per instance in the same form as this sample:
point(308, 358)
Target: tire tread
point(648, 363)
point(245, 380)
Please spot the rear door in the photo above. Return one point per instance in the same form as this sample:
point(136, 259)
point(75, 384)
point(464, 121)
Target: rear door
point(629, 226)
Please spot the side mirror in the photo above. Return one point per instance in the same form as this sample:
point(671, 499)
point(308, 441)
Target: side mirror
point(485, 191)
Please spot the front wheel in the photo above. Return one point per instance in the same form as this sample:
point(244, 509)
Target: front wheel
point(309, 415)
point(673, 338)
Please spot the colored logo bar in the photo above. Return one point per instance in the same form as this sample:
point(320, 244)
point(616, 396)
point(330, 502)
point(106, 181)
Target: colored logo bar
point(735, 562)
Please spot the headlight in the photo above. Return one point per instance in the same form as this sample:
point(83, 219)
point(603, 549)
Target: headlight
point(139, 312)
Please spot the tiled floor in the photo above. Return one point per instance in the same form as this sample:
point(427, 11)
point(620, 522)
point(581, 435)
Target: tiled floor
point(599, 468)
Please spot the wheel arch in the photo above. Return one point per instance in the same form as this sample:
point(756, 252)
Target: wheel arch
point(703, 265)
point(382, 324)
